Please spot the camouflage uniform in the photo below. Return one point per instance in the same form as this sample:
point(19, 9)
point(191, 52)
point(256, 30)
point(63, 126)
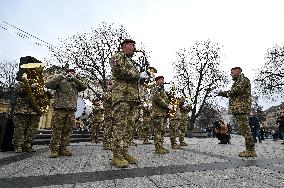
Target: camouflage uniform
point(146, 129)
point(26, 121)
point(240, 106)
point(125, 99)
point(183, 124)
point(108, 121)
point(159, 116)
point(65, 105)
point(175, 128)
point(97, 120)
point(146, 113)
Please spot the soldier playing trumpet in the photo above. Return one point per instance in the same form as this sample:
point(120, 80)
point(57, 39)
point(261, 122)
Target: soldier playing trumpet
point(65, 104)
point(160, 110)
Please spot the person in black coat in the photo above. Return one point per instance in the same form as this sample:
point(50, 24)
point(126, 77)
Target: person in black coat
point(255, 127)
point(280, 121)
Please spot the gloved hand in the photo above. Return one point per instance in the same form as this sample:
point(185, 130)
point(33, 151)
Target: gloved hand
point(34, 85)
point(170, 107)
point(145, 105)
point(144, 75)
point(215, 93)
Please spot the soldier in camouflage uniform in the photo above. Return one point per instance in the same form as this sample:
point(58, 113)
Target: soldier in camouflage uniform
point(125, 100)
point(65, 105)
point(26, 121)
point(160, 109)
point(184, 110)
point(108, 117)
point(239, 106)
point(146, 113)
point(97, 119)
point(174, 128)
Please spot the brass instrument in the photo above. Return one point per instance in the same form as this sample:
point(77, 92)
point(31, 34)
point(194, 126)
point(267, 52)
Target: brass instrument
point(34, 86)
point(174, 101)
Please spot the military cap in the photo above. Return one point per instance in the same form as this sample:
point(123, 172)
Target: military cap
point(234, 68)
point(70, 70)
point(125, 41)
point(158, 77)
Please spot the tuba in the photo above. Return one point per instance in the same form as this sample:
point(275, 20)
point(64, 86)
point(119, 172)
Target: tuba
point(34, 86)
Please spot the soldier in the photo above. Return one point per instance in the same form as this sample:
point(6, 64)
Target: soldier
point(125, 100)
point(97, 119)
point(174, 128)
point(107, 144)
point(239, 106)
point(26, 121)
point(184, 110)
point(159, 114)
point(65, 104)
point(146, 113)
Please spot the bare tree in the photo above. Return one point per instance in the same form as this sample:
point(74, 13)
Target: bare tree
point(8, 81)
point(209, 114)
point(257, 109)
point(90, 52)
point(269, 81)
point(198, 73)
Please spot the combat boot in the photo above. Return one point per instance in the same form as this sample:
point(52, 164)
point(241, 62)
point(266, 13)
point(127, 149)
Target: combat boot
point(119, 162)
point(183, 144)
point(29, 148)
point(175, 146)
point(65, 152)
point(247, 153)
point(130, 159)
point(18, 149)
point(53, 153)
point(166, 150)
point(146, 141)
point(160, 151)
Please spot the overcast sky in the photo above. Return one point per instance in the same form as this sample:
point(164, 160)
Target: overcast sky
point(245, 28)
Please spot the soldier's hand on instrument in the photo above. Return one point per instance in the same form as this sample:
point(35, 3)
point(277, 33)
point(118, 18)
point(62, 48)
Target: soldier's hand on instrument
point(144, 75)
point(34, 85)
point(170, 107)
point(215, 93)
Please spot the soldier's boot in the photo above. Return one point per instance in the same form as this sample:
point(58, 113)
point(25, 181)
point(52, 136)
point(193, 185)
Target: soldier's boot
point(175, 146)
point(29, 148)
point(65, 152)
point(18, 149)
point(95, 140)
point(160, 151)
point(119, 161)
point(53, 153)
point(248, 153)
point(146, 141)
point(129, 158)
point(166, 150)
point(183, 143)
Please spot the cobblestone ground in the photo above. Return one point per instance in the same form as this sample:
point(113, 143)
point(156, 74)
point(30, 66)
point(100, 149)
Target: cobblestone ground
point(203, 163)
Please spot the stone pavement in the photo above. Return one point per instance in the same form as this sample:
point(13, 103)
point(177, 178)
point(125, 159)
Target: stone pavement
point(203, 163)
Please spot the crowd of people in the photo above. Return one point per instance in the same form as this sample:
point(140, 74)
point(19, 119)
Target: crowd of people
point(130, 104)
